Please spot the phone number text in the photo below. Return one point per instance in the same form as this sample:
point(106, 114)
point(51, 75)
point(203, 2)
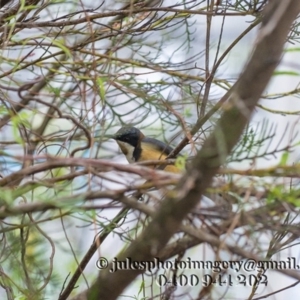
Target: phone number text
point(208, 280)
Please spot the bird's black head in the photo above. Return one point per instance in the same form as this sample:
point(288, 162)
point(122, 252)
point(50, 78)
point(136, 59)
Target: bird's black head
point(129, 135)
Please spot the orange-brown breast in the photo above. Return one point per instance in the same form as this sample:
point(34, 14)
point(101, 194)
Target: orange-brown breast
point(150, 153)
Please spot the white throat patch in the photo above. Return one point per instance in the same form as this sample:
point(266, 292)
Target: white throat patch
point(127, 149)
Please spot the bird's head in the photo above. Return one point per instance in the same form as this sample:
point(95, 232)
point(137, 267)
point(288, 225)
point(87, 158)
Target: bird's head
point(129, 135)
point(128, 139)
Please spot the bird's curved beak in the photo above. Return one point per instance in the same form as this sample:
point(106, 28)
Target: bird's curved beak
point(110, 136)
point(106, 136)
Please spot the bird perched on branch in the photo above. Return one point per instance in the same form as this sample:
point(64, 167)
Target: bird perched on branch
point(137, 148)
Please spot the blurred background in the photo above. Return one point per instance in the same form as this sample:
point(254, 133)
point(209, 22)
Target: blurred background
point(73, 72)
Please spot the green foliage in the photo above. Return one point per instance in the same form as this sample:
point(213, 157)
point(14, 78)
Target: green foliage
point(101, 85)
point(180, 162)
point(284, 194)
point(284, 158)
point(21, 119)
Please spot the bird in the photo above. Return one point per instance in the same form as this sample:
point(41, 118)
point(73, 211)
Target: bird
point(138, 148)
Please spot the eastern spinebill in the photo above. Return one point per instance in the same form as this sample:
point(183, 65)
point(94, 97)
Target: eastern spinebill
point(137, 147)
